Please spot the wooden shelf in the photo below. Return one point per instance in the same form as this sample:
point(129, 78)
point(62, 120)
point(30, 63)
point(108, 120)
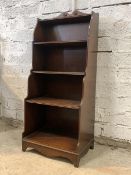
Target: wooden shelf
point(63, 103)
point(53, 141)
point(58, 73)
point(62, 43)
point(66, 19)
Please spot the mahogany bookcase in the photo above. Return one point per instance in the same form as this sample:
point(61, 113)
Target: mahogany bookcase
point(60, 106)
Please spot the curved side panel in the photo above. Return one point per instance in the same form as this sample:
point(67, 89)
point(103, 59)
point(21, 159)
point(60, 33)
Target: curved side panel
point(31, 122)
point(87, 111)
point(39, 33)
point(35, 87)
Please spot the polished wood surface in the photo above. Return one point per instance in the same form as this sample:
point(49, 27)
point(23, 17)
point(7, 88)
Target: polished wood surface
point(54, 141)
point(57, 73)
point(63, 43)
point(60, 105)
point(56, 102)
point(87, 111)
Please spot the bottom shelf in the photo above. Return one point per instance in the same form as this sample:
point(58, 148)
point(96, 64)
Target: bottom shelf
point(54, 141)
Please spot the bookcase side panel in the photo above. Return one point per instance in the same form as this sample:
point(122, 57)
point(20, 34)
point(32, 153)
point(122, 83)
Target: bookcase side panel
point(34, 118)
point(36, 87)
point(39, 34)
point(87, 111)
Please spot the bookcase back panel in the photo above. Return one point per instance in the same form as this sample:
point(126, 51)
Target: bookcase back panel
point(68, 59)
point(61, 120)
point(63, 32)
point(56, 86)
point(66, 32)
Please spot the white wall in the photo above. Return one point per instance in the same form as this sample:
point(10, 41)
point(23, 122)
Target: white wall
point(113, 96)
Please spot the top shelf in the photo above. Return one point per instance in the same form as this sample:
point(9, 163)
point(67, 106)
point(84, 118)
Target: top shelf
point(67, 19)
point(62, 43)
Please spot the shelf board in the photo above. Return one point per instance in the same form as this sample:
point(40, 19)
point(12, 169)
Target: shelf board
point(53, 141)
point(67, 19)
point(71, 104)
point(58, 73)
point(62, 43)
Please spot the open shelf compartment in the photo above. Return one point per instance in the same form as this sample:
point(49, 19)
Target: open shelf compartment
point(62, 30)
point(59, 59)
point(53, 119)
point(53, 141)
point(56, 87)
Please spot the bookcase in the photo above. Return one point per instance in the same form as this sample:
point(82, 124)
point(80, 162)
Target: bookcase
point(60, 105)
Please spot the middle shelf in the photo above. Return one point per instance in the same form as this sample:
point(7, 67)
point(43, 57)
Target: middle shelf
point(58, 72)
point(62, 43)
point(64, 103)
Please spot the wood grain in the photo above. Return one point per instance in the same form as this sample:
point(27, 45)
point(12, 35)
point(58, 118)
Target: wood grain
point(72, 104)
point(57, 142)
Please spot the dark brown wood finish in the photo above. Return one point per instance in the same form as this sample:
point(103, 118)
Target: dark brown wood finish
point(56, 102)
point(58, 73)
point(60, 106)
point(63, 58)
point(87, 111)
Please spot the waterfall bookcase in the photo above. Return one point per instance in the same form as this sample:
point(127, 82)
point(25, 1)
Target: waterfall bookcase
point(60, 106)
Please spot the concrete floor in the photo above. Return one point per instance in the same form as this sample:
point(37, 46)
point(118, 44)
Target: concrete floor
point(102, 160)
